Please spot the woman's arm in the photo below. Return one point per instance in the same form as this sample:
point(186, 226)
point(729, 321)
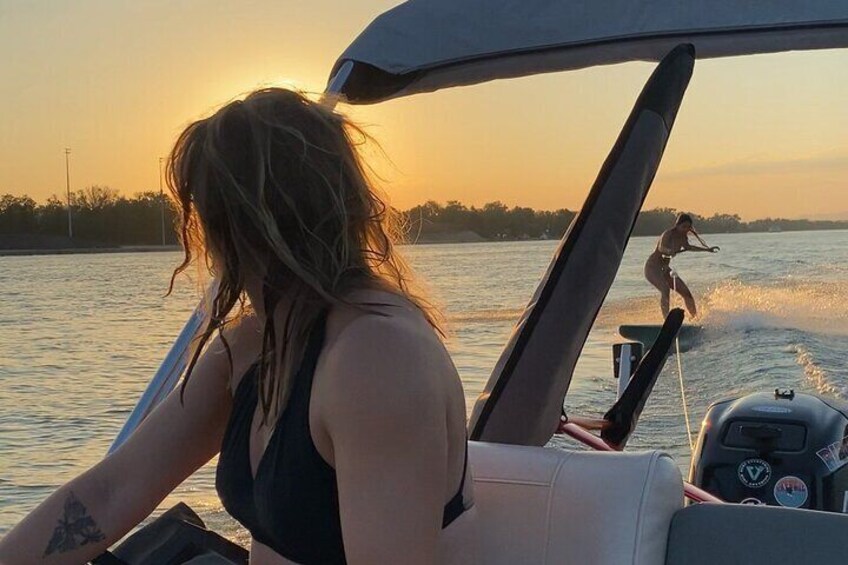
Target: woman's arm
point(690, 247)
point(85, 516)
point(702, 247)
point(384, 412)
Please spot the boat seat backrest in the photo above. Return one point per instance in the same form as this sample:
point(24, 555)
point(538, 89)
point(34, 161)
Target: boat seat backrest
point(543, 506)
point(704, 534)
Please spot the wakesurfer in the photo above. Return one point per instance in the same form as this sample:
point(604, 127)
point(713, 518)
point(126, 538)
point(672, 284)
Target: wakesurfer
point(658, 266)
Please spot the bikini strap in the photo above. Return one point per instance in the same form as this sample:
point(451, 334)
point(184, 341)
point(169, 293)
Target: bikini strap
point(311, 353)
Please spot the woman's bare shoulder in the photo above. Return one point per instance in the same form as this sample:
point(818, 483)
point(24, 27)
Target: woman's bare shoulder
point(391, 352)
point(383, 332)
point(371, 314)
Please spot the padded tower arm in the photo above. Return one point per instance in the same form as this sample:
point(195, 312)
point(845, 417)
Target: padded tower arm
point(624, 414)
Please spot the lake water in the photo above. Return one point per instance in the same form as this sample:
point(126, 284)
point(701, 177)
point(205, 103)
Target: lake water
point(80, 335)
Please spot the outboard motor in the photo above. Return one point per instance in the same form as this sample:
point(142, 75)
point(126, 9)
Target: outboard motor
point(781, 449)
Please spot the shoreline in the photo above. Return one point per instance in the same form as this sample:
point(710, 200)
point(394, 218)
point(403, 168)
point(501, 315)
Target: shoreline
point(459, 239)
point(172, 248)
point(89, 250)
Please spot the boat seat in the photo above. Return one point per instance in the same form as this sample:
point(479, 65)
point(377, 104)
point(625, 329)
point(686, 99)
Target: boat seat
point(541, 506)
point(704, 534)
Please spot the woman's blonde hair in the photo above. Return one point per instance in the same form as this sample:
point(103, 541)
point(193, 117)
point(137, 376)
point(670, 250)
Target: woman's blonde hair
point(273, 185)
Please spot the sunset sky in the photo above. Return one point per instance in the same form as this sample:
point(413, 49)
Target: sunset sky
point(117, 80)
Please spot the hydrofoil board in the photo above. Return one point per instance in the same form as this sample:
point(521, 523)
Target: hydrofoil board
point(646, 334)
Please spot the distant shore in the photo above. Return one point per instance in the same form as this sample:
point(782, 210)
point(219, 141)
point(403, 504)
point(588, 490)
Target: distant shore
point(90, 250)
point(425, 239)
point(464, 236)
point(105, 221)
point(159, 248)
point(461, 237)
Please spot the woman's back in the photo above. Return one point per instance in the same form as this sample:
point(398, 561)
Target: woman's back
point(289, 466)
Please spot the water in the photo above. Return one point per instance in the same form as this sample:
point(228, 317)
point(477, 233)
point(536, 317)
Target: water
point(80, 335)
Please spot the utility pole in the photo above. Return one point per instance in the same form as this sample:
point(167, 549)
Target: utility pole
point(161, 201)
point(68, 187)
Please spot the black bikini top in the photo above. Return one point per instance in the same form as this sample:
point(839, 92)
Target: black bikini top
point(292, 505)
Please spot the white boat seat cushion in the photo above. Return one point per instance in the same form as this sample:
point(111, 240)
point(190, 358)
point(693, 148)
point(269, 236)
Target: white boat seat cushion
point(543, 505)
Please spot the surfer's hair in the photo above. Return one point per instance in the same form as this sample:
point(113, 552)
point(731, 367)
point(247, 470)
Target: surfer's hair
point(273, 186)
point(683, 218)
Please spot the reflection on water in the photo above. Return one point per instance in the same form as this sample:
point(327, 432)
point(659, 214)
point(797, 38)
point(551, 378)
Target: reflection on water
point(82, 334)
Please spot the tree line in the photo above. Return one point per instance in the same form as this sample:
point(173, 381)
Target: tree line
point(496, 221)
point(102, 216)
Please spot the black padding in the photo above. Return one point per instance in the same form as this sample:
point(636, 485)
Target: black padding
point(624, 414)
point(665, 100)
point(107, 558)
point(368, 84)
point(727, 534)
point(178, 536)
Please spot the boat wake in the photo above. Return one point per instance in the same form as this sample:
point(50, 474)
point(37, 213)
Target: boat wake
point(817, 376)
point(790, 333)
point(817, 307)
point(807, 319)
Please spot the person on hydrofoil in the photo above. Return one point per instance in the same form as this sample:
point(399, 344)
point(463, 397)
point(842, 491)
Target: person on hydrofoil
point(658, 266)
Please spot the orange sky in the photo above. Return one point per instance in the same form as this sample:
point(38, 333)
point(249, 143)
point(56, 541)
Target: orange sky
point(116, 81)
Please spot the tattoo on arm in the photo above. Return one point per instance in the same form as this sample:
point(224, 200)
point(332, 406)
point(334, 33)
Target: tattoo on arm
point(74, 529)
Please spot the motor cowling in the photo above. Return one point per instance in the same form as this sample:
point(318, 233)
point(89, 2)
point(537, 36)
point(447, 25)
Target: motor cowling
point(781, 449)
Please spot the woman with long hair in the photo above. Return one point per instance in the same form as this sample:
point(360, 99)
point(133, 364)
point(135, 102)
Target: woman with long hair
point(658, 266)
point(323, 384)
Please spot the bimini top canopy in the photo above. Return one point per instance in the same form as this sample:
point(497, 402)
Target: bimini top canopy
point(427, 45)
